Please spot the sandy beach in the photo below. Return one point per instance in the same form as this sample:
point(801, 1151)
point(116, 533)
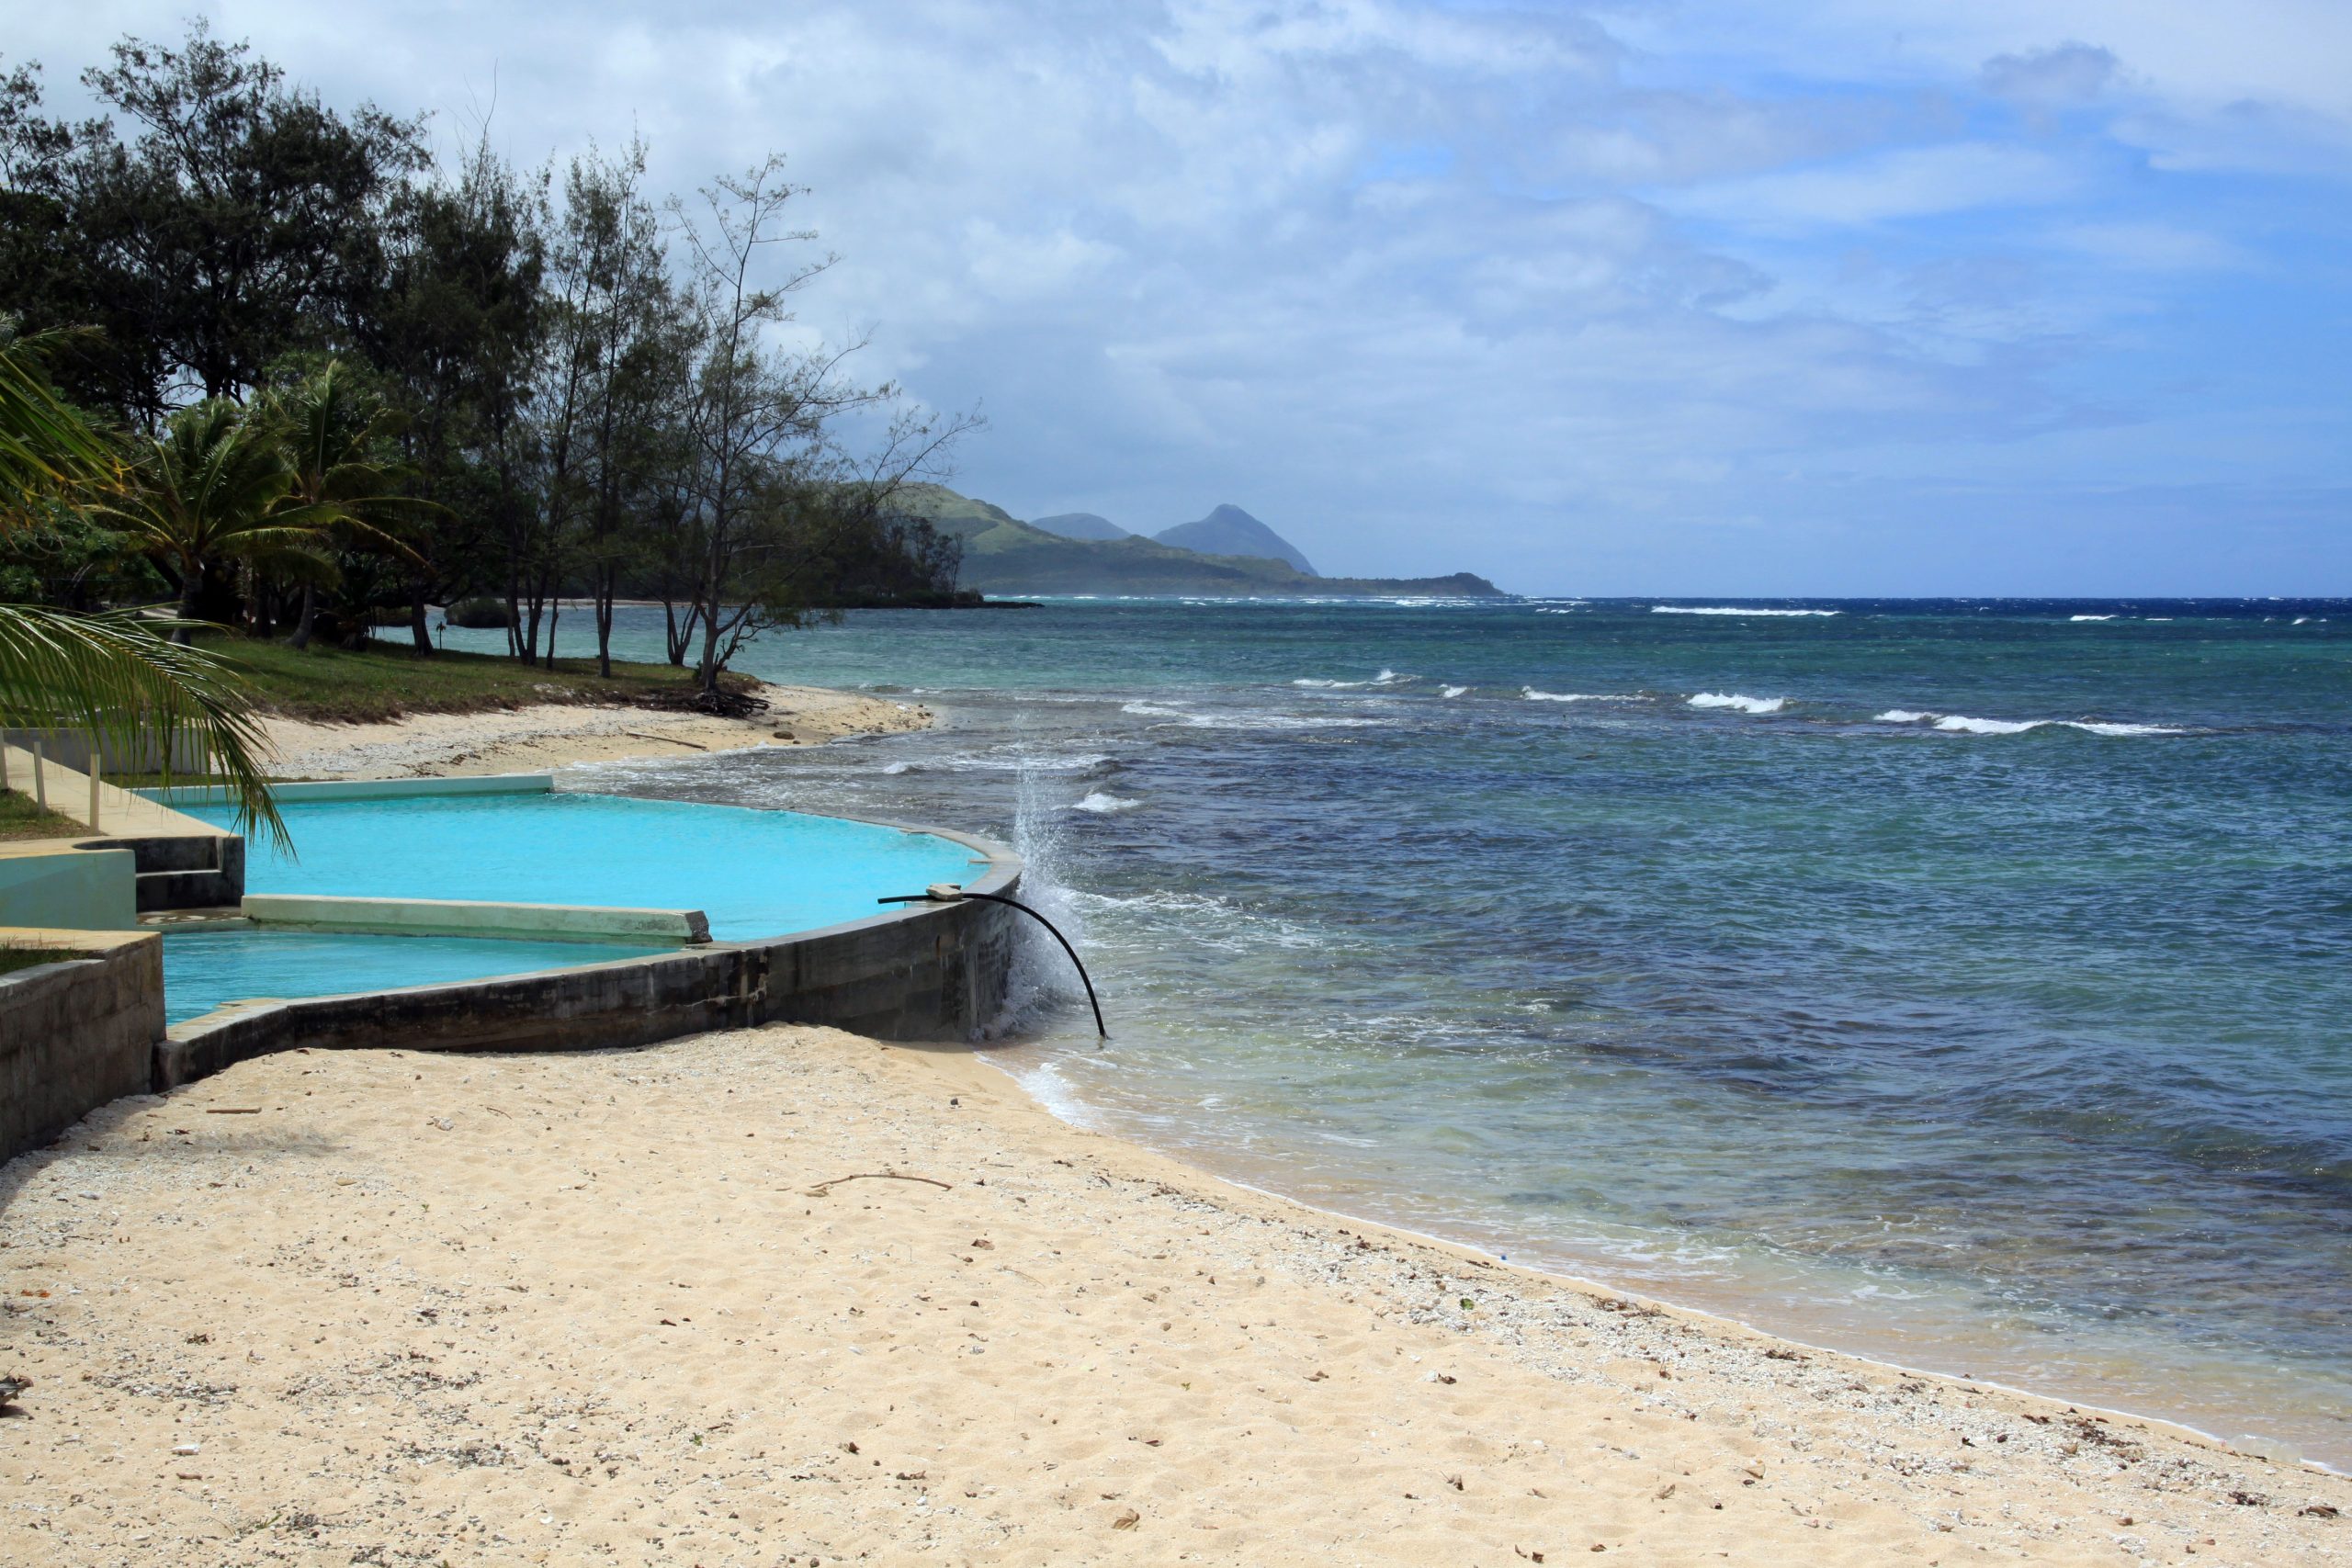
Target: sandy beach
point(788, 1295)
point(556, 734)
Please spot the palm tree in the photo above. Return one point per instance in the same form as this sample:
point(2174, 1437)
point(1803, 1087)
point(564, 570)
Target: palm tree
point(111, 675)
point(210, 490)
point(333, 432)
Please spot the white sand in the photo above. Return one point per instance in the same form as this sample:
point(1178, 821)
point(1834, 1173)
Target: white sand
point(556, 734)
point(574, 1309)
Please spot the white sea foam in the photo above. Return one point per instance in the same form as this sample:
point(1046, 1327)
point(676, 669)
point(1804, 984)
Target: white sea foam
point(2091, 617)
point(1901, 716)
point(1454, 691)
point(1104, 803)
point(895, 768)
point(1532, 695)
point(1730, 610)
point(1960, 724)
point(1385, 678)
point(1735, 700)
point(2302, 619)
point(1249, 719)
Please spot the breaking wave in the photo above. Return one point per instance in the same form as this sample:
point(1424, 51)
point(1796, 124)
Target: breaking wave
point(1385, 678)
point(1730, 610)
point(1737, 700)
point(1960, 724)
point(1104, 803)
point(1532, 695)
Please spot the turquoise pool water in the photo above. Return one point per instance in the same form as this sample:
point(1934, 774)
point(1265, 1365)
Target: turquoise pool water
point(755, 874)
point(204, 969)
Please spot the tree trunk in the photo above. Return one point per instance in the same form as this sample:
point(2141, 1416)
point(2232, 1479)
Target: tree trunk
point(191, 597)
point(301, 639)
point(708, 676)
point(417, 630)
point(605, 588)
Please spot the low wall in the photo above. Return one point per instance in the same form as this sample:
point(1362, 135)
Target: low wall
point(364, 789)
point(469, 917)
point(78, 1032)
point(921, 971)
point(55, 882)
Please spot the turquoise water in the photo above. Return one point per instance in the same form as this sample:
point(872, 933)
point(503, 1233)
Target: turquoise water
point(755, 874)
point(1964, 983)
point(204, 969)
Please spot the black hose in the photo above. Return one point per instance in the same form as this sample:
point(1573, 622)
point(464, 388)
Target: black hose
point(1013, 904)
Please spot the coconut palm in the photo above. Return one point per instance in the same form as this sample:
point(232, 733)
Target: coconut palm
point(333, 432)
point(111, 675)
point(210, 490)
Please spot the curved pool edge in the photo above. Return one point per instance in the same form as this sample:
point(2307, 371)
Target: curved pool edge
point(912, 972)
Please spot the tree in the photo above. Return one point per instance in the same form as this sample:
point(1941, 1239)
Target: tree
point(209, 490)
point(111, 675)
point(242, 221)
point(455, 332)
point(771, 490)
point(336, 437)
point(616, 376)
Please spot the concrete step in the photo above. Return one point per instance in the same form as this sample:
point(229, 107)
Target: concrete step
point(187, 889)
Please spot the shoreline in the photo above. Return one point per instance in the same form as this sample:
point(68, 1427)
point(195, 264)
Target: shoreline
point(549, 736)
point(556, 736)
point(1863, 1336)
point(661, 1302)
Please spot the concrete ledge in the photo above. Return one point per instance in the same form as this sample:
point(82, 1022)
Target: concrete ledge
point(364, 789)
point(915, 972)
point(78, 1032)
point(73, 883)
point(468, 917)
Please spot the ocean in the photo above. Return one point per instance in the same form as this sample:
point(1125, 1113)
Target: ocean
point(1966, 984)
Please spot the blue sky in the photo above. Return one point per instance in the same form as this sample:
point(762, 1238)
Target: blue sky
point(1828, 296)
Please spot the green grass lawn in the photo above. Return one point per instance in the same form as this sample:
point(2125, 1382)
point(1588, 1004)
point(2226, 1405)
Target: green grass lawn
point(20, 819)
point(389, 679)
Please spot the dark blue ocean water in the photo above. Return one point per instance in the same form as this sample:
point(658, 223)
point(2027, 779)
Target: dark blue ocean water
point(1964, 983)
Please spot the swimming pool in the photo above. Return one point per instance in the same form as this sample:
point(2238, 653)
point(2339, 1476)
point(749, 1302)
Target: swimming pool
point(204, 969)
point(755, 874)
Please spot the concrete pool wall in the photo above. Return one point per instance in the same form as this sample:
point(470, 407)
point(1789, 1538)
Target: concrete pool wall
point(77, 1032)
point(935, 971)
point(912, 972)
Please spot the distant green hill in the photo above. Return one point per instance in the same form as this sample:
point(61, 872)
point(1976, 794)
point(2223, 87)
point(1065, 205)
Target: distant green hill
point(1079, 525)
point(1005, 556)
point(1229, 531)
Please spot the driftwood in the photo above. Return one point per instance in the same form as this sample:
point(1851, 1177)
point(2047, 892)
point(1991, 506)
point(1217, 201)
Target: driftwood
point(721, 704)
point(823, 1187)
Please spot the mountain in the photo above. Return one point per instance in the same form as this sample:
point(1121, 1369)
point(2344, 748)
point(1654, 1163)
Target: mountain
point(1006, 556)
point(1229, 531)
point(1079, 525)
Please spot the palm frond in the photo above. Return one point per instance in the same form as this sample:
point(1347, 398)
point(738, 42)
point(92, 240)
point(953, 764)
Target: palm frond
point(114, 677)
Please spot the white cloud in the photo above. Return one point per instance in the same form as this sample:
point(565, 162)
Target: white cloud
point(2069, 74)
point(1432, 287)
point(1908, 182)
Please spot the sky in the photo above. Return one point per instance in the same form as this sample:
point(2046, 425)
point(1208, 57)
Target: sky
point(1826, 296)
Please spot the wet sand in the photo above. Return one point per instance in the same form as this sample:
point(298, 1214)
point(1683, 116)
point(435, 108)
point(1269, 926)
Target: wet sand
point(389, 1307)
